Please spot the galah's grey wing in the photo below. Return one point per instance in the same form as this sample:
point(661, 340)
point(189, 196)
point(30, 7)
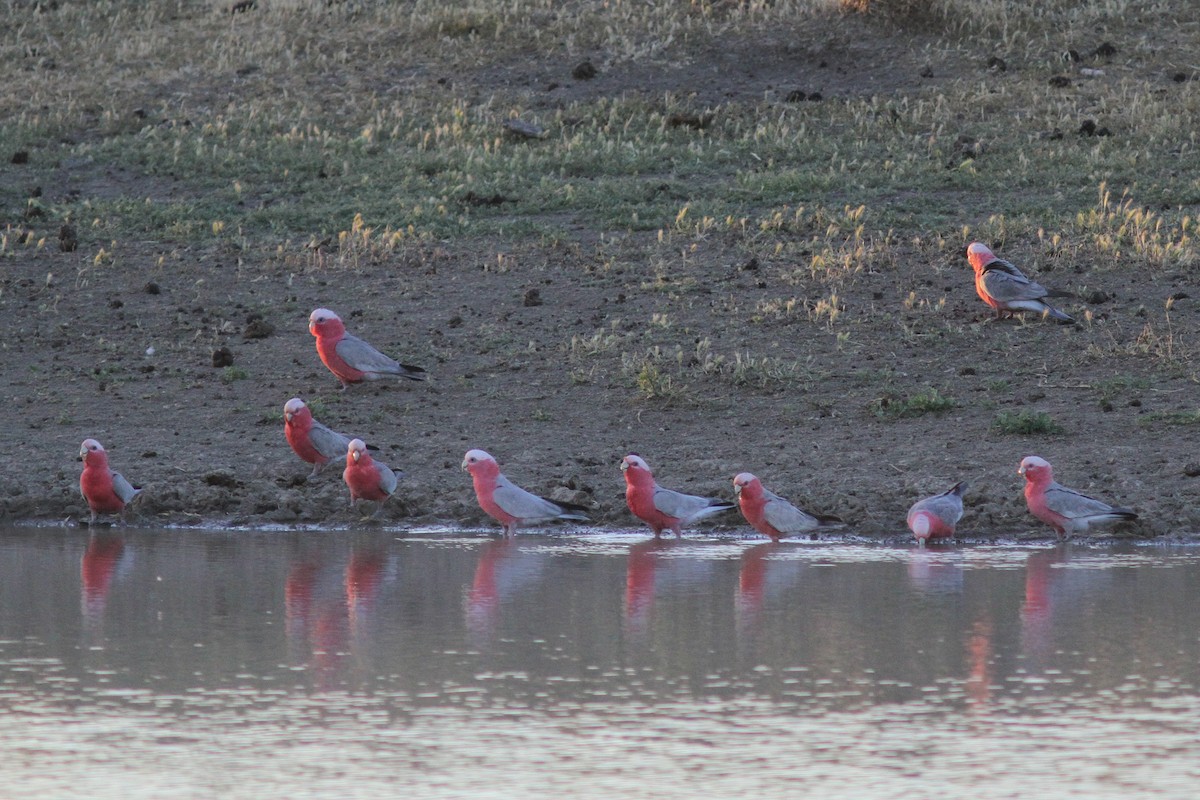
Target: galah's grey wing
point(1011, 288)
point(514, 500)
point(387, 478)
point(1073, 505)
point(364, 357)
point(946, 507)
point(123, 488)
point(328, 443)
point(1006, 267)
point(786, 518)
point(677, 504)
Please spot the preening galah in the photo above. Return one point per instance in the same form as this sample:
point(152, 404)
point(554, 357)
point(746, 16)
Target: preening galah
point(770, 514)
point(661, 508)
point(106, 491)
point(351, 359)
point(509, 504)
point(935, 517)
point(1005, 288)
point(312, 441)
point(367, 478)
point(1065, 510)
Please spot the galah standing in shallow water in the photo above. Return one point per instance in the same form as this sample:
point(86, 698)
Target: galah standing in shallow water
point(105, 491)
point(661, 508)
point(367, 478)
point(312, 441)
point(1005, 288)
point(770, 514)
point(935, 517)
point(1065, 510)
point(351, 359)
point(509, 504)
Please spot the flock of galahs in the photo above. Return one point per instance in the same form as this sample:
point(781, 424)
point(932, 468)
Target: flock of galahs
point(999, 284)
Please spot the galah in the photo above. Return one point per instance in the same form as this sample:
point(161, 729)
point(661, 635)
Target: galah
point(312, 441)
point(770, 514)
point(367, 478)
point(509, 504)
point(661, 508)
point(351, 359)
point(1065, 510)
point(106, 491)
point(1005, 288)
point(935, 517)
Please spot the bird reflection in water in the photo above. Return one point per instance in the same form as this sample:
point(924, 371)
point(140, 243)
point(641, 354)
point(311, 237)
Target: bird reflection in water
point(935, 571)
point(753, 582)
point(315, 615)
point(327, 610)
point(104, 554)
point(503, 569)
point(640, 571)
point(979, 663)
point(1042, 579)
point(366, 571)
point(650, 572)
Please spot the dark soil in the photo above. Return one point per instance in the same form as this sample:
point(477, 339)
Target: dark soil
point(179, 359)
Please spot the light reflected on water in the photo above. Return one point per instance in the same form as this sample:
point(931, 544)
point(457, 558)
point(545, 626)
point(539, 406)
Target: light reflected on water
point(157, 664)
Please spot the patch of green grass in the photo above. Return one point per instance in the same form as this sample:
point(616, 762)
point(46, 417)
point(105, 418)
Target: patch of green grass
point(1025, 423)
point(296, 154)
point(930, 401)
point(234, 373)
point(1170, 418)
point(317, 407)
point(655, 384)
point(748, 371)
point(1113, 388)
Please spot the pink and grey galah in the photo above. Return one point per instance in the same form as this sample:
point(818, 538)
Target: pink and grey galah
point(312, 441)
point(770, 514)
point(106, 491)
point(663, 509)
point(1065, 510)
point(351, 359)
point(509, 504)
point(1005, 288)
point(936, 517)
point(367, 478)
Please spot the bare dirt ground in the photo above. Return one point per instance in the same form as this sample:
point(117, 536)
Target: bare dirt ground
point(125, 356)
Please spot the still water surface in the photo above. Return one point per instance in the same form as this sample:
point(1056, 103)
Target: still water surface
point(199, 664)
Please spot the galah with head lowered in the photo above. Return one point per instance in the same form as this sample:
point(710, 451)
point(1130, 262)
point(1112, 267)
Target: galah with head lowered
point(106, 491)
point(661, 508)
point(351, 359)
point(1065, 510)
point(935, 517)
point(367, 478)
point(1005, 288)
point(770, 514)
point(509, 504)
point(312, 441)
